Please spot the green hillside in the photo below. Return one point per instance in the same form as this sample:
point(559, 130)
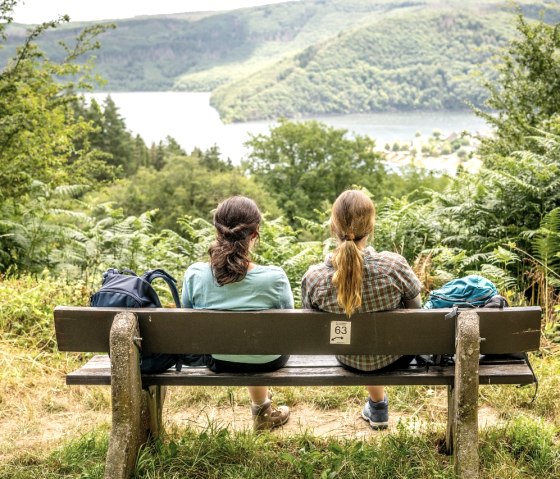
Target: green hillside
point(427, 61)
point(201, 51)
point(417, 56)
point(307, 57)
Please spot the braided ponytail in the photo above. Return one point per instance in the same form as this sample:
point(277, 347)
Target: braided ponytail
point(237, 221)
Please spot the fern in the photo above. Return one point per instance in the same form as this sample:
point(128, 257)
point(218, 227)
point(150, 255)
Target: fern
point(546, 241)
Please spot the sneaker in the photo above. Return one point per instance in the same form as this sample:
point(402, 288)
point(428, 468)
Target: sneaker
point(377, 414)
point(268, 416)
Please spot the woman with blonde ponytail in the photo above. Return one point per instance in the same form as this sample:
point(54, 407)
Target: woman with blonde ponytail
point(231, 281)
point(356, 279)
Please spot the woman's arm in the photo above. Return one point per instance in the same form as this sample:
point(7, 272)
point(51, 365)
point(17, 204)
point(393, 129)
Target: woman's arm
point(185, 296)
point(306, 302)
point(286, 298)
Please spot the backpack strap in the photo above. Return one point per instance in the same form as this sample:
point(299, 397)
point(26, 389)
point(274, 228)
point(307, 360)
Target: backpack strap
point(149, 276)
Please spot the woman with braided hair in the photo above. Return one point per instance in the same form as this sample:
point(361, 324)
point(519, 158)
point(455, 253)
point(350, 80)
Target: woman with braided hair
point(231, 281)
point(356, 279)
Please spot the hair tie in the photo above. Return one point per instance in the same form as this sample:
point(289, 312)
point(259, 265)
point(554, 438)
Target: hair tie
point(348, 237)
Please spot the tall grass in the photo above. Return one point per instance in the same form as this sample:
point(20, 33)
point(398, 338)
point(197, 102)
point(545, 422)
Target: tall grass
point(522, 442)
point(27, 304)
point(521, 449)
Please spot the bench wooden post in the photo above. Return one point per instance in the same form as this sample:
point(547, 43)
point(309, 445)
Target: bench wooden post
point(450, 420)
point(155, 396)
point(465, 400)
point(128, 401)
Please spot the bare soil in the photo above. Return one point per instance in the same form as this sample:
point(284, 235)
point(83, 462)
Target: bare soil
point(38, 418)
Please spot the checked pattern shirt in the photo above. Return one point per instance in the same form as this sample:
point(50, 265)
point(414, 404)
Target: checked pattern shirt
point(387, 281)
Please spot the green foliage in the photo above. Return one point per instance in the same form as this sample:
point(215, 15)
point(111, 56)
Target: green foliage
point(525, 448)
point(26, 307)
point(526, 442)
point(42, 143)
point(526, 92)
point(183, 185)
point(413, 182)
point(30, 231)
point(423, 61)
point(546, 242)
point(37, 127)
point(398, 227)
point(307, 165)
point(118, 152)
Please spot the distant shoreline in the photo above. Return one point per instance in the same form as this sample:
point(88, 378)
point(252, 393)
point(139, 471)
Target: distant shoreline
point(189, 118)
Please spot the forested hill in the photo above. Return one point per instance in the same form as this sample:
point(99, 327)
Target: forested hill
point(429, 61)
point(311, 56)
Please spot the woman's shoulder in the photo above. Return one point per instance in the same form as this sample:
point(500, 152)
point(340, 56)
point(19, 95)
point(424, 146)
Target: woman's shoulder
point(197, 269)
point(388, 260)
point(270, 271)
point(319, 270)
point(388, 256)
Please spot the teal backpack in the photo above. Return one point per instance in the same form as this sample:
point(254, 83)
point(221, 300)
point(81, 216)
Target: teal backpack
point(472, 291)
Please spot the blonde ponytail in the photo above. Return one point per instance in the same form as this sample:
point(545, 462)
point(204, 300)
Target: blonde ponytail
point(352, 219)
point(348, 263)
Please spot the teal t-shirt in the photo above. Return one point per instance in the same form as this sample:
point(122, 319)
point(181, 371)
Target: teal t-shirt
point(264, 287)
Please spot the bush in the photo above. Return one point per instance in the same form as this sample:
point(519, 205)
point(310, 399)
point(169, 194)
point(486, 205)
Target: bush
point(27, 305)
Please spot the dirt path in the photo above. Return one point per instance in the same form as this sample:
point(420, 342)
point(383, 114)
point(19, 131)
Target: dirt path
point(42, 422)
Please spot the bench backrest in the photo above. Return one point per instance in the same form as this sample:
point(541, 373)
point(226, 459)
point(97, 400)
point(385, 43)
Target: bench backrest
point(298, 331)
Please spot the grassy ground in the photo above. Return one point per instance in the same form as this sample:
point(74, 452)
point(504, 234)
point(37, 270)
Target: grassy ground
point(49, 430)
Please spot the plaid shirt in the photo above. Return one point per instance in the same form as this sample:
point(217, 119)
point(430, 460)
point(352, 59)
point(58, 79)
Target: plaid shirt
point(387, 281)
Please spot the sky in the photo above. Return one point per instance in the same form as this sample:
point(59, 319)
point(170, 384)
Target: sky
point(37, 11)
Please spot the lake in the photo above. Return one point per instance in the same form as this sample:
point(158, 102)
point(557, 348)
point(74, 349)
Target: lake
point(189, 118)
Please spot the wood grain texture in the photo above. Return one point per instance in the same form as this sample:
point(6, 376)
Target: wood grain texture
point(296, 331)
point(306, 371)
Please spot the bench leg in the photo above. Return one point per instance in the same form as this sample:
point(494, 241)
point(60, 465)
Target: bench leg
point(127, 433)
point(465, 408)
point(450, 420)
point(155, 396)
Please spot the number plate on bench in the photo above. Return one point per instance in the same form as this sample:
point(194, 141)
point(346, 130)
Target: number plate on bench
point(340, 332)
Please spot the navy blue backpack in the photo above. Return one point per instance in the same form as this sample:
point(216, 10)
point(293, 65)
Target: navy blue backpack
point(125, 289)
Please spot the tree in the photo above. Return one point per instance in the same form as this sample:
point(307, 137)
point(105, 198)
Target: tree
point(116, 140)
point(526, 92)
point(42, 142)
point(306, 164)
point(211, 159)
point(38, 130)
point(122, 152)
point(184, 186)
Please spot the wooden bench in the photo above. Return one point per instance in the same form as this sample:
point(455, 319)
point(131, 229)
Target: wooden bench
point(312, 338)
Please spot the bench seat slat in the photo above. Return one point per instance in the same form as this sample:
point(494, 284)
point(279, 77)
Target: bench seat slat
point(305, 371)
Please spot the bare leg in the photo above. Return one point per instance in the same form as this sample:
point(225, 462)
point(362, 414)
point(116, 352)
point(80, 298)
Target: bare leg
point(258, 394)
point(376, 393)
point(266, 416)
